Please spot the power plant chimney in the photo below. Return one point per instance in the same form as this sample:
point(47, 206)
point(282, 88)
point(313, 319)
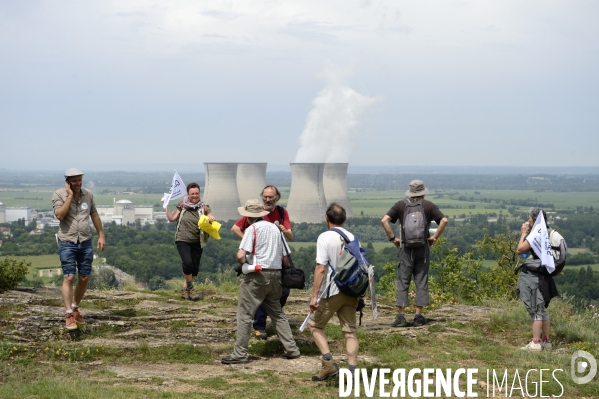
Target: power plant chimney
point(335, 185)
point(306, 199)
point(251, 179)
point(221, 190)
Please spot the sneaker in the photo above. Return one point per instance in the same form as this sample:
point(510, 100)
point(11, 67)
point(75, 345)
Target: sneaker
point(546, 344)
point(70, 321)
point(261, 334)
point(290, 357)
point(193, 295)
point(533, 346)
point(419, 320)
point(329, 369)
point(233, 360)
point(400, 321)
point(78, 317)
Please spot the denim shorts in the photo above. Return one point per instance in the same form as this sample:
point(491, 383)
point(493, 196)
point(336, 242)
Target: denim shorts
point(75, 257)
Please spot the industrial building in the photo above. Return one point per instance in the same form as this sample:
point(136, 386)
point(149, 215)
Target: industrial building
point(125, 212)
point(221, 190)
point(307, 202)
point(251, 179)
point(335, 185)
point(9, 214)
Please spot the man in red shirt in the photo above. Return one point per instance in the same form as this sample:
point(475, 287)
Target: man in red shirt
point(279, 216)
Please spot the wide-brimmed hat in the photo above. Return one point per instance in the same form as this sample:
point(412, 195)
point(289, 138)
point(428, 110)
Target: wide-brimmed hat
point(417, 189)
point(73, 172)
point(253, 209)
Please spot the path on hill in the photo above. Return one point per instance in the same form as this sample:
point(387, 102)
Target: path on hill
point(119, 319)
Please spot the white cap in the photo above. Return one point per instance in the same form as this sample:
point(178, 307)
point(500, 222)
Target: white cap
point(73, 172)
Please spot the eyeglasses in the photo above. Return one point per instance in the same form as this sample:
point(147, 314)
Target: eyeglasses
point(265, 197)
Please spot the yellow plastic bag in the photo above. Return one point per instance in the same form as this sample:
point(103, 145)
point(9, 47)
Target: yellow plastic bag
point(210, 228)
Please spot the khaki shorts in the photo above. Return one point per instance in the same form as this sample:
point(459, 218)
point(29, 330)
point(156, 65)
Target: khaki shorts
point(345, 308)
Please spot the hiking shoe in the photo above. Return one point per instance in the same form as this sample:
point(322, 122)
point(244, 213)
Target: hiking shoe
point(233, 360)
point(329, 369)
point(78, 317)
point(419, 320)
point(70, 321)
point(261, 334)
point(400, 321)
point(533, 347)
point(193, 295)
point(291, 357)
point(546, 344)
point(184, 294)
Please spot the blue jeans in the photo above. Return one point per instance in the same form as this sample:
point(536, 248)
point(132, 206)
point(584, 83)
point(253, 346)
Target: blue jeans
point(75, 257)
point(260, 315)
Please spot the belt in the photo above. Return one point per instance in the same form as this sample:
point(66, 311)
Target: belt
point(271, 270)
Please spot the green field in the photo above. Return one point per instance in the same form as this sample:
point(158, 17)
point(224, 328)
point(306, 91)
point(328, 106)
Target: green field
point(371, 203)
point(43, 262)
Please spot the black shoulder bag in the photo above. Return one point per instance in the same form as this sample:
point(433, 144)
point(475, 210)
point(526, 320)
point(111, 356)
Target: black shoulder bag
point(292, 277)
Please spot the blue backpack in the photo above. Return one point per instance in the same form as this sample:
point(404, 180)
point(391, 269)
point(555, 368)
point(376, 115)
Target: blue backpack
point(351, 271)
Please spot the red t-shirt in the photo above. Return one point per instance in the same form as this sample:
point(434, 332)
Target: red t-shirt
point(271, 217)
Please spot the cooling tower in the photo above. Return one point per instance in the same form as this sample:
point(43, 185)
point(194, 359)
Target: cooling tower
point(220, 191)
point(251, 179)
point(335, 185)
point(306, 200)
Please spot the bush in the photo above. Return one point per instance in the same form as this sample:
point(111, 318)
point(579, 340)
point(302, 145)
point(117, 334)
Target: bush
point(157, 283)
point(12, 272)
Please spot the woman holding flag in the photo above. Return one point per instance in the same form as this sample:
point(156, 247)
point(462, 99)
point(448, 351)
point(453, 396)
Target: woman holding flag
point(189, 239)
point(536, 287)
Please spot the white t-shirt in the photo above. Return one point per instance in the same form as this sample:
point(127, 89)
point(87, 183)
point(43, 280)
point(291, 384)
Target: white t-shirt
point(328, 249)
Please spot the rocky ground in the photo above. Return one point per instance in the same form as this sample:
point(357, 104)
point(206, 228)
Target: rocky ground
point(120, 319)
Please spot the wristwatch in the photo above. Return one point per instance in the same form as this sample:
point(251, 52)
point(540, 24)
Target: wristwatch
point(392, 238)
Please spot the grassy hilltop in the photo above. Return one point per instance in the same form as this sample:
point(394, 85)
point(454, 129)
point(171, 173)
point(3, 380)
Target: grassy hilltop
point(141, 344)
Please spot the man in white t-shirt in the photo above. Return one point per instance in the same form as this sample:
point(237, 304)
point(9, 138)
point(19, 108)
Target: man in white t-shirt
point(328, 249)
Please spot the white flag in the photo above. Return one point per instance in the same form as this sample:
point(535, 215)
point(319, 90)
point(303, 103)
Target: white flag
point(177, 190)
point(540, 243)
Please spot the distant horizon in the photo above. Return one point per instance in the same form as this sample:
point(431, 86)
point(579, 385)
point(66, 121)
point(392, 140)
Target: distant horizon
point(352, 169)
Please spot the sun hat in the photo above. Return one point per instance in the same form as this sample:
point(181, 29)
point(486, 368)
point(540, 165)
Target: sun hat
point(253, 209)
point(417, 189)
point(73, 172)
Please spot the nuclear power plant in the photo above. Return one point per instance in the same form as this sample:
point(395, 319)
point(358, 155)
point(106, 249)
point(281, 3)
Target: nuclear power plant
point(313, 187)
point(220, 190)
point(335, 185)
point(251, 179)
point(307, 202)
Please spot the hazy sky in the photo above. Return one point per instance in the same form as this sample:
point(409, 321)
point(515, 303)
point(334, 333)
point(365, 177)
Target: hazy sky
point(118, 84)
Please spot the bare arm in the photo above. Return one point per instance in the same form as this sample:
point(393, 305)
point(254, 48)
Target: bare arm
point(319, 273)
point(241, 256)
point(61, 212)
point(287, 233)
point(387, 227)
point(237, 231)
point(172, 216)
point(98, 225)
point(523, 245)
point(432, 240)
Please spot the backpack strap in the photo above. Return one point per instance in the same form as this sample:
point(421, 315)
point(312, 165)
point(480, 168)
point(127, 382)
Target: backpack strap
point(341, 233)
point(281, 213)
point(254, 244)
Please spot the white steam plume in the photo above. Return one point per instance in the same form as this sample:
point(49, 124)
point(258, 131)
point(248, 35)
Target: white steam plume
point(331, 125)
